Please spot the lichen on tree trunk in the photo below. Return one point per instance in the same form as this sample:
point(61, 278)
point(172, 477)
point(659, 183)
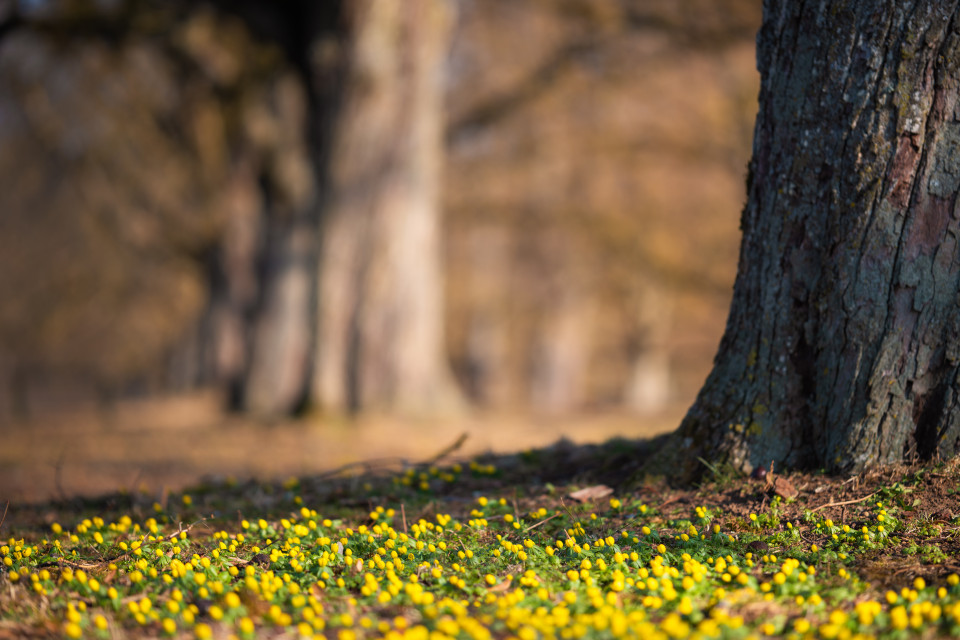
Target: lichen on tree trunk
point(842, 347)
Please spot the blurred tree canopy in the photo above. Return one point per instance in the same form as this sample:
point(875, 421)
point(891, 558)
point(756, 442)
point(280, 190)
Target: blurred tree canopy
point(248, 195)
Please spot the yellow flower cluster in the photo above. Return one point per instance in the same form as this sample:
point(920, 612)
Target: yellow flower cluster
point(503, 572)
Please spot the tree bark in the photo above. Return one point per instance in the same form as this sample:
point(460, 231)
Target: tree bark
point(277, 375)
point(379, 338)
point(841, 349)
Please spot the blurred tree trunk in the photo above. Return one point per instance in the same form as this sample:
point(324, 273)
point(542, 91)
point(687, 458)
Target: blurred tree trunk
point(379, 325)
point(349, 313)
point(277, 377)
point(648, 387)
point(323, 277)
point(841, 347)
point(280, 332)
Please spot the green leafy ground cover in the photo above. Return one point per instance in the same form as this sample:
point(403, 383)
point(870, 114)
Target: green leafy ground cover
point(495, 548)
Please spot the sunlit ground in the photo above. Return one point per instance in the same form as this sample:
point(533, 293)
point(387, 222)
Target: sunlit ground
point(166, 445)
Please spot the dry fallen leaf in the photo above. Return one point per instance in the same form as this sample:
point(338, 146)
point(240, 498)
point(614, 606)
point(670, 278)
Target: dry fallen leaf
point(780, 486)
point(784, 488)
point(595, 492)
point(502, 586)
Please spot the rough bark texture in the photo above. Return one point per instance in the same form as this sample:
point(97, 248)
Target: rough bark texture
point(379, 341)
point(841, 347)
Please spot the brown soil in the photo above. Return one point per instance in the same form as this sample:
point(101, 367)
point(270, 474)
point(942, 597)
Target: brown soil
point(929, 502)
point(167, 444)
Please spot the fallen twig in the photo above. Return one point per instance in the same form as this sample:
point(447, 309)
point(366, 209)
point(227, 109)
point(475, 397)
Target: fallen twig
point(447, 450)
point(180, 528)
point(80, 565)
point(545, 520)
point(837, 504)
point(670, 500)
point(367, 465)
point(565, 508)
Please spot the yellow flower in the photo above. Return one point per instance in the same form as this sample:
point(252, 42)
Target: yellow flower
point(898, 618)
point(246, 626)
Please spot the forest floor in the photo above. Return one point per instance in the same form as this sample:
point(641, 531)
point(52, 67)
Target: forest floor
point(167, 444)
point(563, 541)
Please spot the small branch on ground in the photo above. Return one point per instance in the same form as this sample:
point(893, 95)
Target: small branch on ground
point(670, 500)
point(544, 521)
point(180, 528)
point(367, 466)
point(838, 504)
point(447, 450)
point(565, 508)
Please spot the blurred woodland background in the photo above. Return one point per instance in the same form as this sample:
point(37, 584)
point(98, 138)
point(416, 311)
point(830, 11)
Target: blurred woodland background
point(412, 208)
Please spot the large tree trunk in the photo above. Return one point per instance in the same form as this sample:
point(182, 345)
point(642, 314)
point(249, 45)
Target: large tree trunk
point(841, 350)
point(379, 341)
point(277, 375)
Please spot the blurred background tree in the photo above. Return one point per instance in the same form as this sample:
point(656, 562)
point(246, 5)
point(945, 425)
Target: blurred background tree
point(247, 196)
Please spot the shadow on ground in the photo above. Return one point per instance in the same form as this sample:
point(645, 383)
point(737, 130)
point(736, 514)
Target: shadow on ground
point(156, 447)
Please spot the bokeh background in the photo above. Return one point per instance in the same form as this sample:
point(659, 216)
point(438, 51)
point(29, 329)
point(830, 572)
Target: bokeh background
point(271, 238)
